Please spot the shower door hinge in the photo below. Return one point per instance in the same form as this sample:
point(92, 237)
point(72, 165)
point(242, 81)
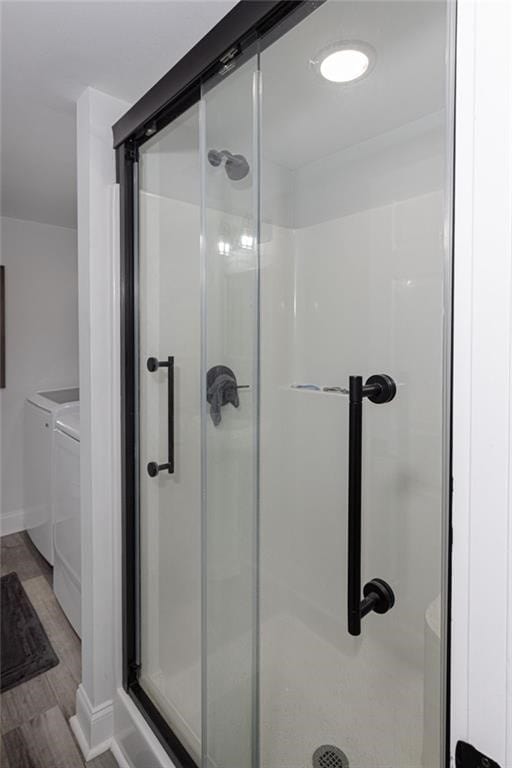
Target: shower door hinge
point(466, 756)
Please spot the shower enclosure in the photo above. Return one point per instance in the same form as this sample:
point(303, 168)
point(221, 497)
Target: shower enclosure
point(286, 267)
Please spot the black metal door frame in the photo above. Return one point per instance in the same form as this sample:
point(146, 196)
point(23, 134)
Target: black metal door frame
point(178, 90)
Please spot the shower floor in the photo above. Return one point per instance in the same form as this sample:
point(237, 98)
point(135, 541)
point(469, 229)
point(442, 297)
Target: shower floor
point(369, 704)
point(312, 694)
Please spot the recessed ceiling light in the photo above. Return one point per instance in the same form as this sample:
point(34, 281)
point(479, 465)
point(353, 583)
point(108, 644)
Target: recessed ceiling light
point(345, 62)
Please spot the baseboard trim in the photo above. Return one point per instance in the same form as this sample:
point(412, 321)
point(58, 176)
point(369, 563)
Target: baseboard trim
point(12, 522)
point(92, 726)
point(88, 753)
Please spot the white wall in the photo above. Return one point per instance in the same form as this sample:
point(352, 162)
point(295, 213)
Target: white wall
point(41, 285)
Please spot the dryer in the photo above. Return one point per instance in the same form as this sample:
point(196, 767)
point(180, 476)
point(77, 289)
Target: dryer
point(41, 412)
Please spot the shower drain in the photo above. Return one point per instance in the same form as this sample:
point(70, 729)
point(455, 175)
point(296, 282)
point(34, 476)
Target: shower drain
point(328, 756)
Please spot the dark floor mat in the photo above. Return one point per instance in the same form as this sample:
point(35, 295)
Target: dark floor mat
point(25, 651)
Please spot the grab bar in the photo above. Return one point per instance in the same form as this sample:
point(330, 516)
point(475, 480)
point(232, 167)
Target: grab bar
point(153, 364)
point(377, 595)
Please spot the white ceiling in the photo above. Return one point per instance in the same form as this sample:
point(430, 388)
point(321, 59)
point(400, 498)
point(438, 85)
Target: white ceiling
point(50, 52)
point(306, 118)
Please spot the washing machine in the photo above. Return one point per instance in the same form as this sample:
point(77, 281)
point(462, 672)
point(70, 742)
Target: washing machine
point(66, 512)
point(41, 413)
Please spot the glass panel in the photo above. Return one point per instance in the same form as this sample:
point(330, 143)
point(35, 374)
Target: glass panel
point(267, 314)
point(353, 258)
point(170, 504)
point(230, 176)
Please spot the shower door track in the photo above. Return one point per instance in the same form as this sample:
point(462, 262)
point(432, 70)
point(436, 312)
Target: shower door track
point(171, 96)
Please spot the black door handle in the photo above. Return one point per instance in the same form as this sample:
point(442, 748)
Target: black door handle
point(377, 595)
point(153, 364)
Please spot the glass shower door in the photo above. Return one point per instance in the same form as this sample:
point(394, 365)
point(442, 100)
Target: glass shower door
point(169, 426)
point(292, 339)
point(230, 179)
point(326, 261)
point(353, 493)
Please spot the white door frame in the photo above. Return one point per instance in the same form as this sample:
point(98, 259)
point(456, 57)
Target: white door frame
point(482, 428)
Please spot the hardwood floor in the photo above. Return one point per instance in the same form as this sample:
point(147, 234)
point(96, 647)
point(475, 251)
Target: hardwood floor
point(34, 716)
